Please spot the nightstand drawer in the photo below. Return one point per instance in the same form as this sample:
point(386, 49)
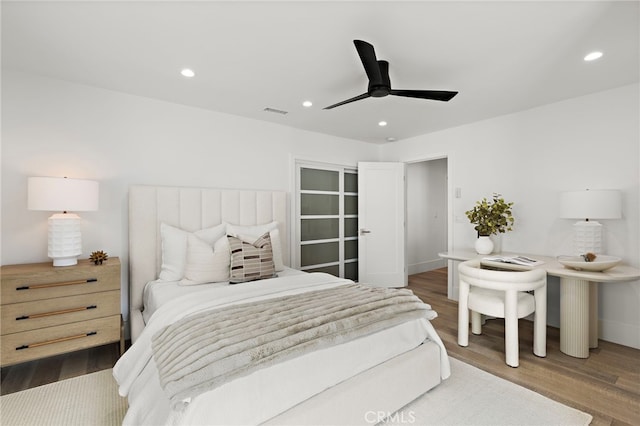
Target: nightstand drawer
point(30, 345)
point(23, 283)
point(26, 316)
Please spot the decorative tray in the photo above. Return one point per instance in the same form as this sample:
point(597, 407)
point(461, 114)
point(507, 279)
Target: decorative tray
point(600, 263)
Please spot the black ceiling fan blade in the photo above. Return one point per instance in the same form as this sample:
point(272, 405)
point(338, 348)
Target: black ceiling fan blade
point(357, 98)
point(436, 95)
point(384, 73)
point(368, 57)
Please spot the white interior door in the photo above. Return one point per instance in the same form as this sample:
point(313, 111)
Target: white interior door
point(382, 225)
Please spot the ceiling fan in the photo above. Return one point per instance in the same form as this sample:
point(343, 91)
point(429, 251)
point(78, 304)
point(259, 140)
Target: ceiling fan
point(379, 83)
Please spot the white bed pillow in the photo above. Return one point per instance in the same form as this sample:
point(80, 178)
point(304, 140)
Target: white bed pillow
point(251, 233)
point(206, 264)
point(174, 248)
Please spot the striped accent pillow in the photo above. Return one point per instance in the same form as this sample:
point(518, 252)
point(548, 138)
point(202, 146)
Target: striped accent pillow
point(250, 262)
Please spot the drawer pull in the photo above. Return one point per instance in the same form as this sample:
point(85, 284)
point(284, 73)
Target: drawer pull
point(62, 339)
point(60, 284)
point(48, 314)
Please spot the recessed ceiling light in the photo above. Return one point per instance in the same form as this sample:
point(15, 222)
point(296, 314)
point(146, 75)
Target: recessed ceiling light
point(307, 104)
point(187, 73)
point(391, 139)
point(593, 56)
point(382, 123)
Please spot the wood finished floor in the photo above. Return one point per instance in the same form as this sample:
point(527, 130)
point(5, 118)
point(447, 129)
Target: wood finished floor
point(605, 385)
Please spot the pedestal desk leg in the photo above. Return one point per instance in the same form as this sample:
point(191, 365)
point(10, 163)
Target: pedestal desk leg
point(593, 315)
point(574, 317)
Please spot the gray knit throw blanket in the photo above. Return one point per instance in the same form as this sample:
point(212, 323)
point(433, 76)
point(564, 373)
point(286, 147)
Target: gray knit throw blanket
point(205, 350)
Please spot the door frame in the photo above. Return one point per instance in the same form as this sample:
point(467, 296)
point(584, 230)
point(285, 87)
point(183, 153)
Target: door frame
point(449, 156)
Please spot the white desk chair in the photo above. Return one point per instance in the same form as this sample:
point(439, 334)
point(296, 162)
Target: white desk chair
point(503, 294)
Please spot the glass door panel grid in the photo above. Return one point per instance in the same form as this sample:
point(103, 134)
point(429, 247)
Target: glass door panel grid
point(326, 214)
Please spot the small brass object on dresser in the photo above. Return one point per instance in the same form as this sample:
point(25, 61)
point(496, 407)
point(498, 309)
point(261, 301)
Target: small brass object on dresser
point(98, 257)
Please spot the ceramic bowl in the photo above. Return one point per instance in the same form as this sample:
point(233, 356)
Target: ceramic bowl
point(600, 263)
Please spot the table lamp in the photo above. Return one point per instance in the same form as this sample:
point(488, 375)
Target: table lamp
point(587, 205)
point(63, 195)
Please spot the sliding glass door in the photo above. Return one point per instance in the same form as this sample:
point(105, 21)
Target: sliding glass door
point(327, 219)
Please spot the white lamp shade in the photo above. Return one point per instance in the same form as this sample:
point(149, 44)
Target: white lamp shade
point(591, 204)
point(62, 194)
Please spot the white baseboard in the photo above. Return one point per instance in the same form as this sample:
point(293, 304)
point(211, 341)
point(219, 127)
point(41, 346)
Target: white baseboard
point(428, 265)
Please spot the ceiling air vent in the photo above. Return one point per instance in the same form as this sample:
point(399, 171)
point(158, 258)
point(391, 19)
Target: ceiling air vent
point(276, 111)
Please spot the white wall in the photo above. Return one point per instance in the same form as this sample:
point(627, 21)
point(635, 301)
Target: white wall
point(532, 156)
point(55, 128)
point(426, 214)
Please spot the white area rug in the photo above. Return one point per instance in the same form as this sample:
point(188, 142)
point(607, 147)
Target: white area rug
point(474, 397)
point(469, 397)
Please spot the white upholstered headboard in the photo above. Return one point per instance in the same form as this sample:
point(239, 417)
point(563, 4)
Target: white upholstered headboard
point(190, 209)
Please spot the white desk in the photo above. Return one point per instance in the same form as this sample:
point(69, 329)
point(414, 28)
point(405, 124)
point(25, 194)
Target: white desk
point(578, 297)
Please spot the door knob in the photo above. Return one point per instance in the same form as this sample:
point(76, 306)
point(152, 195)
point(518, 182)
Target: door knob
point(364, 231)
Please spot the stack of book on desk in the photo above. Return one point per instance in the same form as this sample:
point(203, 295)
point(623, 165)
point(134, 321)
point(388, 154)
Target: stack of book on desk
point(513, 261)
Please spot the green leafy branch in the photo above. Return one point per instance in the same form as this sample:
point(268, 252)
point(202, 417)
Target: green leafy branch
point(491, 217)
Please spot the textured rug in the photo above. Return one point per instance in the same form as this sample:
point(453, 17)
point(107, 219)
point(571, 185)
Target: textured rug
point(469, 397)
point(89, 400)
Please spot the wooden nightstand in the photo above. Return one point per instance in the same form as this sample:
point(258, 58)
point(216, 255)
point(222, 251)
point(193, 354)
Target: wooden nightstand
point(50, 310)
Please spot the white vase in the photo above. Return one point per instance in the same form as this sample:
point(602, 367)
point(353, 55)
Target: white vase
point(497, 243)
point(484, 245)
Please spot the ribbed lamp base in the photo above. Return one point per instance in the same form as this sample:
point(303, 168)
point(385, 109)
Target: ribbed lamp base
point(587, 237)
point(65, 261)
point(65, 239)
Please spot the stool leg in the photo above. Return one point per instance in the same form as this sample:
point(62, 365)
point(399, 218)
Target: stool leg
point(463, 314)
point(511, 328)
point(476, 322)
point(540, 322)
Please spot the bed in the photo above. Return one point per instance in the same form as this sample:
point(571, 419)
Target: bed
point(176, 371)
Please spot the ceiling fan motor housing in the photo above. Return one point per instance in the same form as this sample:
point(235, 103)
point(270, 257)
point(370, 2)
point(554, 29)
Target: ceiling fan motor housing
point(379, 91)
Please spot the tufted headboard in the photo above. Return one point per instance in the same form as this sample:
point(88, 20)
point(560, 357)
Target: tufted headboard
point(190, 209)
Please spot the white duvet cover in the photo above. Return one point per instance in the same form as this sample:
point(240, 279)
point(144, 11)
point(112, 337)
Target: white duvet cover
point(268, 392)
point(159, 292)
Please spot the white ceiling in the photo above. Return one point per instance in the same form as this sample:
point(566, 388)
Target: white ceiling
point(502, 56)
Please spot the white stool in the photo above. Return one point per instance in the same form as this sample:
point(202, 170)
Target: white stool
point(503, 294)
